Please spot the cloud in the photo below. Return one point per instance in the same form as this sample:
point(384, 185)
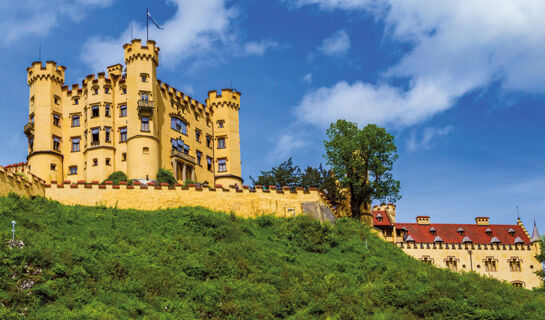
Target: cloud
point(428, 135)
point(258, 48)
point(308, 78)
point(37, 17)
point(336, 44)
point(285, 146)
point(457, 47)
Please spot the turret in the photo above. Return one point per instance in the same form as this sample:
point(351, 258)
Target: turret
point(226, 136)
point(43, 129)
point(143, 148)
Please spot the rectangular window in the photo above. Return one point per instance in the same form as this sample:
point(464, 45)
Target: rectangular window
point(53, 167)
point(94, 111)
point(56, 143)
point(124, 90)
point(145, 124)
point(56, 120)
point(209, 163)
point(108, 162)
point(31, 144)
point(221, 123)
point(144, 96)
point(490, 265)
point(452, 264)
point(209, 141)
point(107, 110)
point(95, 137)
point(198, 135)
point(178, 125)
point(123, 134)
point(123, 111)
point(222, 165)
point(514, 265)
point(199, 156)
point(106, 90)
point(75, 145)
point(95, 162)
point(75, 121)
point(221, 143)
point(73, 170)
point(124, 156)
point(95, 90)
point(107, 131)
point(76, 101)
point(144, 78)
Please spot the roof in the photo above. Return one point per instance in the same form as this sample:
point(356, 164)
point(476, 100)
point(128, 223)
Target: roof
point(385, 218)
point(477, 233)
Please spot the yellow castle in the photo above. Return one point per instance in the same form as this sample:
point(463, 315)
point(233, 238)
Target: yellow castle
point(130, 121)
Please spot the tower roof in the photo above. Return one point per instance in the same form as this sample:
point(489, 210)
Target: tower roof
point(535, 233)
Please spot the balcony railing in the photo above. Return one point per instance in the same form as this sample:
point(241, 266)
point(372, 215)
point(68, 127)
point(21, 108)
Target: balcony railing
point(29, 128)
point(145, 107)
point(177, 153)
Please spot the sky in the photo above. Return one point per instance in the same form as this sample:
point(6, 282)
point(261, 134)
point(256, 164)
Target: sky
point(460, 84)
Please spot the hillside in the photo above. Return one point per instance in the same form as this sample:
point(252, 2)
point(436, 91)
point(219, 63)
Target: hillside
point(100, 263)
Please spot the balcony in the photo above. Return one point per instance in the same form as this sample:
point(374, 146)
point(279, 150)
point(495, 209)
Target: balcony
point(29, 129)
point(181, 155)
point(145, 107)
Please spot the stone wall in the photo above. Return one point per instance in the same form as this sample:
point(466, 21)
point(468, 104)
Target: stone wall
point(24, 185)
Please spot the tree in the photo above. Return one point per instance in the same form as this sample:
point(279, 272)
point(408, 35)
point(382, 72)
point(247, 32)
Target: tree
point(286, 174)
point(165, 176)
point(116, 177)
point(324, 180)
point(362, 160)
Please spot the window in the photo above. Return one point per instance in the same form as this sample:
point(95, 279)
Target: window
point(108, 162)
point(222, 165)
point(75, 144)
point(94, 111)
point(518, 284)
point(221, 123)
point(144, 96)
point(144, 77)
point(199, 156)
point(107, 90)
point(95, 137)
point(73, 170)
point(57, 100)
point(124, 156)
point(198, 135)
point(209, 141)
point(53, 167)
point(145, 150)
point(123, 111)
point(95, 90)
point(490, 265)
point(31, 144)
point(178, 125)
point(107, 110)
point(95, 162)
point(221, 143)
point(56, 143)
point(56, 120)
point(123, 134)
point(107, 131)
point(32, 119)
point(209, 163)
point(124, 90)
point(426, 259)
point(76, 100)
point(452, 263)
point(145, 124)
point(75, 121)
point(515, 265)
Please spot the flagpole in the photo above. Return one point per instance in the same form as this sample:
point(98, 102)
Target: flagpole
point(147, 20)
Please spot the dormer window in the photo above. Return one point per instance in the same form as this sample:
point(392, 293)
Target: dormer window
point(438, 239)
point(379, 217)
point(433, 231)
point(488, 231)
point(511, 232)
point(461, 231)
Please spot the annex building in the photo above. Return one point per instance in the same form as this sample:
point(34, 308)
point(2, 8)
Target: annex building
point(505, 252)
point(128, 120)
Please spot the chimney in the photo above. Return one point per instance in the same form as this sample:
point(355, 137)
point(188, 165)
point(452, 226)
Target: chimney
point(423, 220)
point(482, 221)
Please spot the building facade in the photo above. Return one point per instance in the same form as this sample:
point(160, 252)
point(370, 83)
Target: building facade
point(128, 120)
point(505, 252)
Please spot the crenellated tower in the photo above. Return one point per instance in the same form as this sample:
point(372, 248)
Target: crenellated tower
point(43, 130)
point(226, 135)
point(143, 145)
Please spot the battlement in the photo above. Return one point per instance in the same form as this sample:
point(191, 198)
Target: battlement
point(135, 50)
point(180, 96)
point(465, 247)
point(24, 184)
point(115, 71)
point(227, 97)
point(48, 72)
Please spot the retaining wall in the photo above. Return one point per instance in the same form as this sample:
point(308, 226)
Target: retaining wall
point(28, 186)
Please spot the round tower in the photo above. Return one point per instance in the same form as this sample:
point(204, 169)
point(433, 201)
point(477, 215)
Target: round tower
point(226, 136)
point(45, 113)
point(143, 148)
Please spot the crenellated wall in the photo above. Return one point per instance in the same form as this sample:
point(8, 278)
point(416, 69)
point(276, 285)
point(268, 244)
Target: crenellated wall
point(27, 187)
point(244, 202)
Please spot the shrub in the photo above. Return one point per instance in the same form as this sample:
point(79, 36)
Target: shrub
point(117, 176)
point(165, 176)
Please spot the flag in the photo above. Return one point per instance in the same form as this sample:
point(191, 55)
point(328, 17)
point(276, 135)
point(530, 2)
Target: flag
point(154, 22)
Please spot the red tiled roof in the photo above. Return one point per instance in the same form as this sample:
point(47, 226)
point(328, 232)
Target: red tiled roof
point(385, 218)
point(449, 232)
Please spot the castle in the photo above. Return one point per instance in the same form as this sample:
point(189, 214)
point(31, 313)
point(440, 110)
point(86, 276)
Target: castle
point(505, 252)
point(128, 120)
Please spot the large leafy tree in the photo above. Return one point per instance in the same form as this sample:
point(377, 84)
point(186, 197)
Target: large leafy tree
point(362, 160)
point(286, 174)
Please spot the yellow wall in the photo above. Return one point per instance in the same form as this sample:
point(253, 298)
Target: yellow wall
point(9, 182)
point(244, 202)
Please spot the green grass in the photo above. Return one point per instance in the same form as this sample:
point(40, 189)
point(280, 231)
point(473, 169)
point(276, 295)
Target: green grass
point(191, 263)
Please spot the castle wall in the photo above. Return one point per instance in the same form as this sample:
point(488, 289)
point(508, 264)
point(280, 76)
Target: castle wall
point(10, 182)
point(243, 202)
point(501, 254)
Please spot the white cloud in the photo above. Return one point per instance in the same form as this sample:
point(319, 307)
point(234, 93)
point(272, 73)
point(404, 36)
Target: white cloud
point(308, 78)
point(458, 47)
point(414, 143)
point(336, 44)
point(38, 17)
point(258, 48)
point(285, 146)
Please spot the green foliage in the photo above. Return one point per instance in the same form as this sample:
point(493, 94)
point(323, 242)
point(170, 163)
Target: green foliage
point(165, 176)
point(116, 177)
point(191, 263)
point(363, 160)
point(286, 174)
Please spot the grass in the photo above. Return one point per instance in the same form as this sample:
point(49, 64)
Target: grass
point(192, 263)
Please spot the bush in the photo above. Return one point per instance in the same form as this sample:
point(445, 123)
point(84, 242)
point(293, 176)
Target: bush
point(117, 176)
point(165, 176)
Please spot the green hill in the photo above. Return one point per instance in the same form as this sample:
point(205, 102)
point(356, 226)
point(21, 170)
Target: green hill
point(100, 263)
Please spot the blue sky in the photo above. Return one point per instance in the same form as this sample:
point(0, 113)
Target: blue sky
point(459, 83)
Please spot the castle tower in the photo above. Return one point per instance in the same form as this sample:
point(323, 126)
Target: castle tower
point(226, 136)
point(143, 147)
point(43, 129)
